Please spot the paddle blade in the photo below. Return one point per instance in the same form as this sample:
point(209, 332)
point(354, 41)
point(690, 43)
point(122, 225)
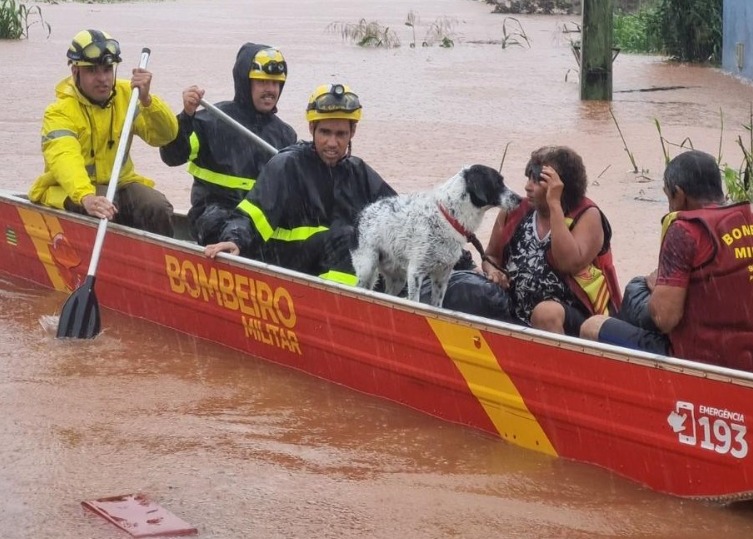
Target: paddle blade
point(79, 318)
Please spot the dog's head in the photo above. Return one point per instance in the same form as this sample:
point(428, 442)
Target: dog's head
point(486, 188)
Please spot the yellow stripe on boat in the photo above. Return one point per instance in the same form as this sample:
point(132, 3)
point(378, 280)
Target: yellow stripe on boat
point(495, 391)
point(42, 229)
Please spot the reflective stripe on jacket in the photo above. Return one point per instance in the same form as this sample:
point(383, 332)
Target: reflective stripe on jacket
point(223, 163)
point(80, 141)
point(298, 194)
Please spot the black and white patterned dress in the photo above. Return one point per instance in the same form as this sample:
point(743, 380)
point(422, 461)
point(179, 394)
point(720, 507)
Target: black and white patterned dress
point(532, 279)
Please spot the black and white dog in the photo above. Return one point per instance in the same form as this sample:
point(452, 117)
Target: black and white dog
point(421, 235)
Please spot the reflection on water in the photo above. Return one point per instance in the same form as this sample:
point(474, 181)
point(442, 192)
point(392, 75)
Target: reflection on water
point(241, 448)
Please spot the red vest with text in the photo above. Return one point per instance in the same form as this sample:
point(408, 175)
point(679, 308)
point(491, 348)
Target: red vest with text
point(717, 323)
point(596, 287)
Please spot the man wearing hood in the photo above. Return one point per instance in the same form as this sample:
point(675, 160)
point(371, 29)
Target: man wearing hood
point(224, 165)
point(80, 134)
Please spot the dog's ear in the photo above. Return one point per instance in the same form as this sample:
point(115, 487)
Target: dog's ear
point(484, 185)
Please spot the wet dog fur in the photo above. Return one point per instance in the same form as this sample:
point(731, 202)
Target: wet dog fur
point(409, 238)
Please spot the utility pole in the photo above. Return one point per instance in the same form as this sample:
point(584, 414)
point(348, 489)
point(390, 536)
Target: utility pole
point(596, 51)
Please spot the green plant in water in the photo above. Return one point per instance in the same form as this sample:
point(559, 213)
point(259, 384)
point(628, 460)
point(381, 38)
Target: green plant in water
point(686, 143)
point(624, 142)
point(441, 32)
point(17, 18)
point(738, 182)
point(366, 34)
point(637, 32)
point(515, 34)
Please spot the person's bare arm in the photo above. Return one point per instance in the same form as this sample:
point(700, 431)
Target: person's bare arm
point(573, 250)
point(667, 306)
point(493, 253)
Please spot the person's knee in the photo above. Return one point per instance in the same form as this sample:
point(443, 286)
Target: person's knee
point(549, 316)
point(157, 215)
point(591, 327)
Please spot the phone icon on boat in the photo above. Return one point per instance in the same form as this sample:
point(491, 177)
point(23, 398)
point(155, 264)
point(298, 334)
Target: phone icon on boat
point(687, 410)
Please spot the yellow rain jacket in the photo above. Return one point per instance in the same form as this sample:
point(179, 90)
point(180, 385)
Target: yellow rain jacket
point(80, 140)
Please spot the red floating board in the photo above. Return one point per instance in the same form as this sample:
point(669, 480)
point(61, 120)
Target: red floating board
point(139, 516)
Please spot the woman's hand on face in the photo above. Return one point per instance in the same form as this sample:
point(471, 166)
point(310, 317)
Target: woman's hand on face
point(552, 182)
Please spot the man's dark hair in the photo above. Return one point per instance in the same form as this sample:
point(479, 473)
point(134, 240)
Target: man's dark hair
point(697, 174)
point(570, 168)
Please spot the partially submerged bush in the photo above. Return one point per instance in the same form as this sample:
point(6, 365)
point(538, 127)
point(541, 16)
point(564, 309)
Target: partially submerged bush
point(638, 32)
point(366, 34)
point(441, 32)
point(374, 34)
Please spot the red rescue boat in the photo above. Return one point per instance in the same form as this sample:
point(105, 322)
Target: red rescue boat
point(675, 426)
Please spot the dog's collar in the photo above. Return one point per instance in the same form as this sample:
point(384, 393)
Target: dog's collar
point(470, 236)
point(454, 222)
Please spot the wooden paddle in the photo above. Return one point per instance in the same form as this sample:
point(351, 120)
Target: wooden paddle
point(243, 130)
point(80, 315)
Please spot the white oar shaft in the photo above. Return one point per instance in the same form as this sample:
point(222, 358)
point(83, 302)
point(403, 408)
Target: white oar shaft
point(243, 130)
point(120, 156)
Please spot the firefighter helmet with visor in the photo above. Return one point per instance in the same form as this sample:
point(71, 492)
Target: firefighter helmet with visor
point(333, 102)
point(93, 47)
point(268, 64)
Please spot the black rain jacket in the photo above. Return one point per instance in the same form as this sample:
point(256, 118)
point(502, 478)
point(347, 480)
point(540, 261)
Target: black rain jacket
point(297, 198)
point(219, 155)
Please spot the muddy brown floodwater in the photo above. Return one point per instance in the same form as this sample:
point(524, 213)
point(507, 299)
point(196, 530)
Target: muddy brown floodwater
point(242, 448)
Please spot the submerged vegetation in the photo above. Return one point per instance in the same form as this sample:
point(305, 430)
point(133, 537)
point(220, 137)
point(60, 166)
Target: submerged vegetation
point(16, 18)
point(737, 181)
point(373, 34)
point(439, 31)
point(515, 34)
point(366, 33)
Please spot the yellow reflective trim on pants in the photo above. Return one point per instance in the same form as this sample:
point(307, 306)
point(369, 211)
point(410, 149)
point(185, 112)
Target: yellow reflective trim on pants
point(340, 277)
point(266, 231)
point(223, 180)
point(493, 388)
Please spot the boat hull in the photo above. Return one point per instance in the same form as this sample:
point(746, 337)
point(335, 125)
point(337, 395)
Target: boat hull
point(675, 426)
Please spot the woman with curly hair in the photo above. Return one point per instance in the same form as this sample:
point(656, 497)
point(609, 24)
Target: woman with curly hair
point(552, 253)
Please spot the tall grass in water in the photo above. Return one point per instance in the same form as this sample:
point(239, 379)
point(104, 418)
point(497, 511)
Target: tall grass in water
point(736, 180)
point(366, 34)
point(17, 18)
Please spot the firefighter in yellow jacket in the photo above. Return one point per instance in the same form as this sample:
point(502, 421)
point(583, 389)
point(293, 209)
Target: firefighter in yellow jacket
point(81, 132)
